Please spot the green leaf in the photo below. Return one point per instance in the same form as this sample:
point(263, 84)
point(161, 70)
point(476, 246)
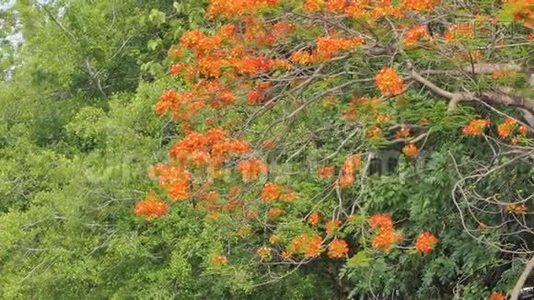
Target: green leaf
point(361, 259)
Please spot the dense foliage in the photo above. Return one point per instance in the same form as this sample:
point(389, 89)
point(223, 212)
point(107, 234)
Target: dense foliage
point(266, 149)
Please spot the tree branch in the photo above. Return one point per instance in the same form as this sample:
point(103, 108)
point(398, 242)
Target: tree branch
point(521, 281)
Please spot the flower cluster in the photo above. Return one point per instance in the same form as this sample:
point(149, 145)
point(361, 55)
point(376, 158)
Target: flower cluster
point(426, 242)
point(517, 209)
point(351, 165)
point(414, 34)
point(233, 8)
point(459, 32)
point(475, 127)
point(326, 172)
point(338, 248)
point(314, 218)
point(308, 245)
point(332, 226)
point(264, 252)
point(385, 235)
point(410, 150)
point(329, 46)
point(497, 296)
point(389, 82)
point(150, 208)
point(251, 169)
point(219, 260)
point(419, 5)
point(505, 128)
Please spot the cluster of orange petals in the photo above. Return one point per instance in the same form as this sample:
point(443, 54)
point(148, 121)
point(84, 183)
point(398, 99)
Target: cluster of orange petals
point(308, 245)
point(264, 252)
point(402, 133)
point(426, 242)
point(338, 248)
point(251, 169)
point(385, 236)
point(502, 74)
point(234, 8)
point(375, 132)
point(219, 260)
point(381, 221)
point(332, 226)
point(187, 104)
point(459, 32)
point(505, 128)
point(414, 34)
point(329, 46)
point(351, 165)
point(419, 5)
point(326, 172)
point(272, 191)
point(517, 209)
point(150, 208)
point(389, 82)
point(314, 218)
point(497, 296)
point(523, 11)
point(475, 127)
point(368, 9)
point(213, 147)
point(274, 212)
point(410, 150)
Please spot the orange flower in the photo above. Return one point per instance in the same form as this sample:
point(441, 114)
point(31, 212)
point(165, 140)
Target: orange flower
point(332, 226)
point(326, 172)
point(518, 209)
point(338, 248)
point(150, 208)
point(475, 127)
point(273, 239)
point(497, 296)
point(251, 214)
point(313, 5)
point(233, 8)
point(425, 242)
point(335, 5)
point(244, 231)
point(251, 169)
point(522, 130)
point(345, 180)
point(381, 221)
point(314, 218)
point(385, 239)
point(504, 129)
point(329, 46)
point(274, 212)
point(374, 132)
point(313, 246)
point(309, 245)
point(389, 82)
point(419, 5)
point(414, 34)
point(264, 252)
point(410, 150)
point(270, 192)
point(459, 31)
point(301, 57)
point(402, 133)
point(255, 96)
point(219, 260)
